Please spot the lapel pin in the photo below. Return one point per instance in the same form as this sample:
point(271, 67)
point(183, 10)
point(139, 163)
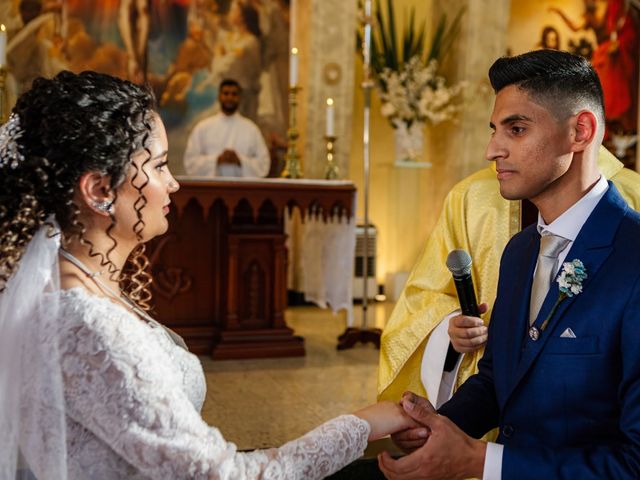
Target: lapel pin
point(534, 333)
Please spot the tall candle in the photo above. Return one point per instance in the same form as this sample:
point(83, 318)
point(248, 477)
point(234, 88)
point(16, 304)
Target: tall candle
point(293, 21)
point(367, 34)
point(330, 118)
point(293, 67)
point(3, 46)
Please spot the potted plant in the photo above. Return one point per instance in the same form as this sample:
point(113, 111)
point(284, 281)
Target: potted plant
point(412, 90)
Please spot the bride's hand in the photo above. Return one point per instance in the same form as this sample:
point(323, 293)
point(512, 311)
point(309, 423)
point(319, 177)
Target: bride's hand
point(386, 418)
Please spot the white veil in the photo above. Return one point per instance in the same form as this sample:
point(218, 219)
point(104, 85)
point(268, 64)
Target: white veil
point(32, 414)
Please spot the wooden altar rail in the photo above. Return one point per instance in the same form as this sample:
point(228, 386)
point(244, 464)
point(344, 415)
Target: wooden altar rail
point(220, 270)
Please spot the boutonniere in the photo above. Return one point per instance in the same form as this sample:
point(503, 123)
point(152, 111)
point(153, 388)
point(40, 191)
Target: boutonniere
point(570, 279)
point(570, 284)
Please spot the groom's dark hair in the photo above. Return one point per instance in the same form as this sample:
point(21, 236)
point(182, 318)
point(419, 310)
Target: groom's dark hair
point(560, 81)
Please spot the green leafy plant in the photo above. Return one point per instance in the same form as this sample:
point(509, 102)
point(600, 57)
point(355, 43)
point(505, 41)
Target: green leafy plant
point(406, 69)
point(389, 51)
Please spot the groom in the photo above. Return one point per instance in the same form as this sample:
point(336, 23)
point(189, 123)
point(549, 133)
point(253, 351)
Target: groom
point(560, 376)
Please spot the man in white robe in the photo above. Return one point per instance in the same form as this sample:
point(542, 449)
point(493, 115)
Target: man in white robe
point(227, 144)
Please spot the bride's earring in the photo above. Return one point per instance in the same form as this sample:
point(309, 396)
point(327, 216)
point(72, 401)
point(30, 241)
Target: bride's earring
point(106, 206)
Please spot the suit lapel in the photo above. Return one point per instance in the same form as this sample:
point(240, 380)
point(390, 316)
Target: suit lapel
point(592, 246)
point(518, 309)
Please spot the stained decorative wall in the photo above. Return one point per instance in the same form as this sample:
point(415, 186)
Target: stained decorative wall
point(606, 33)
point(181, 48)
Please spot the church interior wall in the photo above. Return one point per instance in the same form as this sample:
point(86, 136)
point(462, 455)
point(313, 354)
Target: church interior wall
point(404, 202)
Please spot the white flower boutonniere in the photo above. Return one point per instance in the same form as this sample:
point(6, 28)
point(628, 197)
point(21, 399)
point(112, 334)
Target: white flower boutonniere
point(570, 283)
point(570, 278)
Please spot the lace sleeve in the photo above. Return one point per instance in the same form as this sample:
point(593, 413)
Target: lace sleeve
point(121, 387)
point(318, 454)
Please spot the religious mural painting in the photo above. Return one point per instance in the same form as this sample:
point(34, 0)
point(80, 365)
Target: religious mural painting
point(606, 33)
point(182, 48)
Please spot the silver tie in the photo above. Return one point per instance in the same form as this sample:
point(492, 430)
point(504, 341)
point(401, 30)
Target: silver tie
point(550, 248)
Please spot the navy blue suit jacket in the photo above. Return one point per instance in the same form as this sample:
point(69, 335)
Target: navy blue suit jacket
point(567, 408)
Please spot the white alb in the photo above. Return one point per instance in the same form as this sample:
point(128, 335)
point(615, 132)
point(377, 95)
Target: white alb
point(220, 132)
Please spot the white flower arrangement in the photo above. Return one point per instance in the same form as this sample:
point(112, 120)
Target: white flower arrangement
point(406, 68)
point(416, 93)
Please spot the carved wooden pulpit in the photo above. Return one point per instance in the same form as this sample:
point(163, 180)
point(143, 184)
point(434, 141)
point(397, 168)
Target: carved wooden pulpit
point(219, 273)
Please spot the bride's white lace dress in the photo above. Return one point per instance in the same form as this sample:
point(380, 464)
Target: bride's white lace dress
point(133, 400)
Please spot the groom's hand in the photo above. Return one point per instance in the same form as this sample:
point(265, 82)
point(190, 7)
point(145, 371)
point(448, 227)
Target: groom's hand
point(468, 334)
point(449, 453)
point(413, 438)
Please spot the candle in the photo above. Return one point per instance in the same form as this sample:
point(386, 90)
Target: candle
point(367, 34)
point(330, 118)
point(293, 67)
point(293, 16)
point(3, 46)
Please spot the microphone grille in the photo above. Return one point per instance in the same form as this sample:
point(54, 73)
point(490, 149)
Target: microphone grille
point(459, 263)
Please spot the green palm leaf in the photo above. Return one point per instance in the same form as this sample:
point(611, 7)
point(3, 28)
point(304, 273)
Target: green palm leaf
point(436, 41)
point(450, 35)
point(389, 51)
point(400, 62)
point(391, 18)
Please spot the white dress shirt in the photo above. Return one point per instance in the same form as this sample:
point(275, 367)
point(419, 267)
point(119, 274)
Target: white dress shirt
point(211, 136)
point(567, 225)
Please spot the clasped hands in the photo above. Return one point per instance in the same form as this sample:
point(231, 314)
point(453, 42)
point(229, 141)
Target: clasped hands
point(437, 448)
point(228, 157)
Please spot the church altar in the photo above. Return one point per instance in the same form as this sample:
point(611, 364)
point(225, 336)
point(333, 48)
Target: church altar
point(220, 271)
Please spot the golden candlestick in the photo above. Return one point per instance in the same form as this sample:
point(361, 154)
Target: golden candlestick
point(331, 170)
point(4, 101)
point(292, 167)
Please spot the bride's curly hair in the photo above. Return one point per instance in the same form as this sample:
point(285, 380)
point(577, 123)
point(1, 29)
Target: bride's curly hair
point(73, 124)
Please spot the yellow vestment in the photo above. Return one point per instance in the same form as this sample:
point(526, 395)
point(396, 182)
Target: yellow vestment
point(477, 219)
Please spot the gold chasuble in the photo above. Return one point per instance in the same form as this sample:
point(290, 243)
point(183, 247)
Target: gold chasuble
point(477, 219)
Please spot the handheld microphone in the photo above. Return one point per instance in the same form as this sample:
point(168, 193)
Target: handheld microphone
point(459, 264)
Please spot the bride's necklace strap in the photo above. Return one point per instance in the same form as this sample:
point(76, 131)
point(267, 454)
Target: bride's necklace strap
point(91, 274)
point(177, 339)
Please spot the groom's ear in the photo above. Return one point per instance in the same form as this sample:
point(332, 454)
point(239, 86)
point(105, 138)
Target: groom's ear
point(584, 127)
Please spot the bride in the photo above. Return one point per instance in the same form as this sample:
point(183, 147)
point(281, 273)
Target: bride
point(91, 386)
